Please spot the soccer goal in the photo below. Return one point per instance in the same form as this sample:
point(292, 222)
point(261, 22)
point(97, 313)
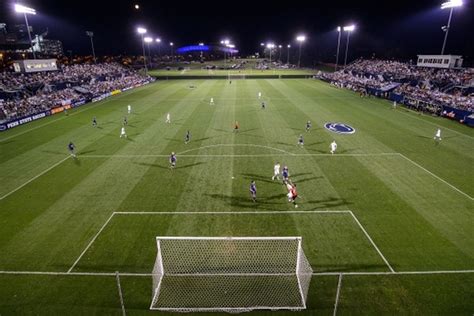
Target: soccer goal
point(230, 274)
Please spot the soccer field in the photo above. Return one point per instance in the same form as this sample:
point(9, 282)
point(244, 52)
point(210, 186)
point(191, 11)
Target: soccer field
point(387, 222)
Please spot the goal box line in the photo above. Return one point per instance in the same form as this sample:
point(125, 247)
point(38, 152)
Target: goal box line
point(226, 238)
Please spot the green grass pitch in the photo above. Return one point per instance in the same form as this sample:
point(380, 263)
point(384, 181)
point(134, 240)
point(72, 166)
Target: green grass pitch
point(387, 222)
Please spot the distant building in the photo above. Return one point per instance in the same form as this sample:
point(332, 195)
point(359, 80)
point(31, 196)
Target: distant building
point(440, 61)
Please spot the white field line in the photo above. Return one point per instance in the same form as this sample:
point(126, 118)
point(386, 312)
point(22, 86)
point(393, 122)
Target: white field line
point(236, 145)
point(372, 242)
point(120, 293)
point(35, 177)
point(132, 274)
point(431, 173)
point(236, 213)
point(243, 156)
point(338, 291)
point(90, 243)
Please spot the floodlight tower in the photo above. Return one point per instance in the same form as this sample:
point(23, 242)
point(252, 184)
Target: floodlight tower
point(91, 35)
point(288, 54)
point(148, 40)
point(270, 46)
point(142, 32)
point(279, 56)
point(339, 31)
point(348, 29)
point(301, 39)
point(25, 10)
point(449, 5)
point(158, 41)
point(172, 53)
point(225, 42)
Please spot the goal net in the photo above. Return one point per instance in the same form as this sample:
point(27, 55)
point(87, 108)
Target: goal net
point(231, 274)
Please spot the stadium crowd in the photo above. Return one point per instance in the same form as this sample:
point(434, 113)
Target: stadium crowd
point(428, 86)
point(24, 94)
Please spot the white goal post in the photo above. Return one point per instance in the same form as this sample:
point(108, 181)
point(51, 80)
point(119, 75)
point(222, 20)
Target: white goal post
point(230, 274)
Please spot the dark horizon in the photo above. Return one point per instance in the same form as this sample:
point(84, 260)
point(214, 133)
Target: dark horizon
point(399, 32)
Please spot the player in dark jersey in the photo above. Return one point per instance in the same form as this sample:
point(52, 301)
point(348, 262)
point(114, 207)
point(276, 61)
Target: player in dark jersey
point(72, 148)
point(253, 191)
point(308, 126)
point(263, 105)
point(285, 174)
point(187, 137)
point(94, 122)
point(236, 126)
point(173, 160)
point(125, 121)
point(301, 140)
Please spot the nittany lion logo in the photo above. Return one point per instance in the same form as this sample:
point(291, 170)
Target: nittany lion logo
point(340, 128)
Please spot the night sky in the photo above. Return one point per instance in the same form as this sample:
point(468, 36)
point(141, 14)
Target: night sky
point(387, 29)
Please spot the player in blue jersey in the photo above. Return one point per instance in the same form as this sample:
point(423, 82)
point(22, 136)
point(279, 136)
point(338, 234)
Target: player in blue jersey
point(125, 121)
point(72, 148)
point(94, 122)
point(285, 174)
point(253, 191)
point(308, 126)
point(263, 105)
point(173, 160)
point(301, 140)
point(187, 137)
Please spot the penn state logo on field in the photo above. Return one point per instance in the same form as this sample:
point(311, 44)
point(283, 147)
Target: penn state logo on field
point(340, 128)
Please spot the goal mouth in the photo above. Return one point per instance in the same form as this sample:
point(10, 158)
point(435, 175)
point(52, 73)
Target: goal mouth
point(230, 274)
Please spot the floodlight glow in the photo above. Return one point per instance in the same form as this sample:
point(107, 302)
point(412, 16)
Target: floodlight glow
point(22, 9)
point(141, 30)
point(349, 28)
point(262, 44)
point(288, 46)
point(338, 28)
point(137, 7)
point(451, 4)
point(270, 45)
point(171, 43)
point(279, 46)
point(158, 40)
point(148, 39)
point(301, 38)
point(201, 44)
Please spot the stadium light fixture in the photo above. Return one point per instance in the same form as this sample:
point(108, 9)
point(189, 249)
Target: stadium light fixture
point(137, 7)
point(288, 54)
point(148, 39)
point(141, 30)
point(201, 44)
point(158, 40)
point(349, 29)
point(26, 10)
point(449, 5)
point(301, 39)
point(339, 29)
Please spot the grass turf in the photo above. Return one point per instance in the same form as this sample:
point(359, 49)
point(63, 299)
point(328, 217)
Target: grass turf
point(411, 196)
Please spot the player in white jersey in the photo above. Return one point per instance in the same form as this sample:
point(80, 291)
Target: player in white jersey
point(129, 108)
point(438, 135)
point(212, 101)
point(276, 171)
point(394, 106)
point(123, 133)
point(259, 95)
point(168, 118)
point(333, 147)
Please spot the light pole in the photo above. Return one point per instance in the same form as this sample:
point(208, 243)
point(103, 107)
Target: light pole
point(158, 41)
point(142, 32)
point(25, 10)
point(148, 40)
point(270, 47)
point(301, 39)
point(225, 42)
point(171, 47)
point(339, 31)
point(91, 35)
point(288, 54)
point(449, 5)
point(348, 29)
point(279, 57)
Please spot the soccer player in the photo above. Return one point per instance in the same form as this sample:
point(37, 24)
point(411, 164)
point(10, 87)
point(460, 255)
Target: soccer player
point(168, 118)
point(236, 126)
point(263, 105)
point(173, 160)
point(71, 147)
point(394, 106)
point(276, 171)
point(125, 121)
point(437, 136)
point(187, 137)
point(285, 174)
point(129, 108)
point(301, 140)
point(94, 122)
point(253, 191)
point(259, 95)
point(308, 126)
point(212, 101)
point(123, 133)
point(333, 147)
point(292, 194)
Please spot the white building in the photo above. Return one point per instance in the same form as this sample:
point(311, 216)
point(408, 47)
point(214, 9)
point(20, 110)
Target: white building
point(439, 61)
